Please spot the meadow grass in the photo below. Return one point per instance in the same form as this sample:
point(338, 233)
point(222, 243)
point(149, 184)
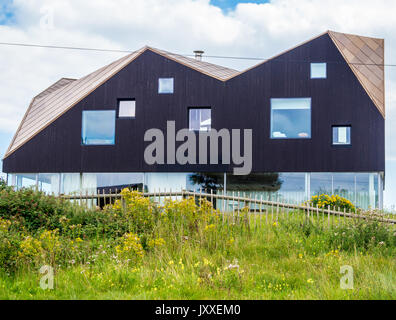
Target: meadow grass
point(290, 258)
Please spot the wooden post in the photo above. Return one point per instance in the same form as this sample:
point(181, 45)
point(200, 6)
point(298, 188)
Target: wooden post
point(277, 207)
point(261, 209)
point(328, 216)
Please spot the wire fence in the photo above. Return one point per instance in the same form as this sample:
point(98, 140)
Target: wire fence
point(234, 205)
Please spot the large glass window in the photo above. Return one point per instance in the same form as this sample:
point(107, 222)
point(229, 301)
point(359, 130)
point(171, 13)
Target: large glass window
point(25, 180)
point(165, 181)
point(291, 118)
point(165, 85)
point(318, 70)
point(341, 135)
point(200, 119)
point(344, 185)
point(321, 183)
point(126, 108)
point(98, 127)
point(111, 182)
point(49, 183)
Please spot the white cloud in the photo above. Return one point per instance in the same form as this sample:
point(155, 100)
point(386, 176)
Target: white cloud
point(176, 25)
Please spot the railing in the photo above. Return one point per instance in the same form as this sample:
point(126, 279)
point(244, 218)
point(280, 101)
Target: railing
point(223, 202)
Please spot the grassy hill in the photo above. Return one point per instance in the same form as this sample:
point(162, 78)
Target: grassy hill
point(137, 249)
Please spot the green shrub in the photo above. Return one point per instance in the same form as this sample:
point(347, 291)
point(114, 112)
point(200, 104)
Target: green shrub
point(33, 208)
point(362, 235)
point(9, 244)
point(334, 201)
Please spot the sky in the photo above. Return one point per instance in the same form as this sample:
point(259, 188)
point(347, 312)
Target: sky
point(219, 27)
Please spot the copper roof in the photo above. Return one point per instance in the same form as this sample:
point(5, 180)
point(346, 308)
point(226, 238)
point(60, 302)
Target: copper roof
point(364, 55)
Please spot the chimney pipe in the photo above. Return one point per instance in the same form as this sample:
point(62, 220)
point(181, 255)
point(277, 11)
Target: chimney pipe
point(198, 54)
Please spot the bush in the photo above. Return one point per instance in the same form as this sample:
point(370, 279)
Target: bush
point(361, 235)
point(334, 201)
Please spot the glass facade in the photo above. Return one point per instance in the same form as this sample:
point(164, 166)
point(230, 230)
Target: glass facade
point(364, 189)
point(291, 118)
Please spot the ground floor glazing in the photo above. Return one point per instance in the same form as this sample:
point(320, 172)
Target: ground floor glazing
point(364, 189)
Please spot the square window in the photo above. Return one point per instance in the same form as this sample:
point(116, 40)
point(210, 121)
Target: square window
point(291, 118)
point(165, 85)
point(200, 119)
point(318, 70)
point(126, 108)
point(341, 135)
point(98, 127)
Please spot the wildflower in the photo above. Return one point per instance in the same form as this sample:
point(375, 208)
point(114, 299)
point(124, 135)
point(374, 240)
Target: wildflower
point(210, 227)
point(300, 255)
point(170, 262)
point(310, 280)
point(275, 224)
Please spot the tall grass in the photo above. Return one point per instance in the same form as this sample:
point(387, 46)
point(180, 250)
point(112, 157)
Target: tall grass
point(136, 249)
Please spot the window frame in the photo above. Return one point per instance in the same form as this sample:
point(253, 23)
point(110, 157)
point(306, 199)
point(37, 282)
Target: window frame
point(166, 78)
point(293, 138)
point(310, 71)
point(82, 129)
point(350, 135)
point(118, 108)
point(199, 108)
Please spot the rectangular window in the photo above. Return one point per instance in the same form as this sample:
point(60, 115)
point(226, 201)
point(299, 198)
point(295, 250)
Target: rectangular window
point(98, 127)
point(318, 70)
point(126, 108)
point(165, 85)
point(341, 135)
point(200, 119)
point(291, 118)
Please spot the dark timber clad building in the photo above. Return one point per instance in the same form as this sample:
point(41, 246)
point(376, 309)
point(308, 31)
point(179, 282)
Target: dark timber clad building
point(316, 111)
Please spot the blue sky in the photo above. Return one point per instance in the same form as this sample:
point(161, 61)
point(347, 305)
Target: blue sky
point(231, 4)
point(6, 11)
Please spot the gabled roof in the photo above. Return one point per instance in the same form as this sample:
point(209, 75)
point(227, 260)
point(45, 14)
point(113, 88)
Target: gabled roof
point(210, 69)
point(364, 55)
point(66, 93)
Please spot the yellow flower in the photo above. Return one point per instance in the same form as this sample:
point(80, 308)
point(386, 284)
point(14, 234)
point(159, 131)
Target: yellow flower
point(310, 280)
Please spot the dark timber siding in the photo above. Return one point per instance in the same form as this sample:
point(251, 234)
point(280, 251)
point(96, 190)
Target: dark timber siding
point(241, 102)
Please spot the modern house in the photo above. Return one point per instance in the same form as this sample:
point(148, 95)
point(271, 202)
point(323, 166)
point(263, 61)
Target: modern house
point(316, 113)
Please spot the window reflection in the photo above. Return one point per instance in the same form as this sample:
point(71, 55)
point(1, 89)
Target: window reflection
point(291, 118)
point(98, 127)
point(318, 70)
point(165, 85)
point(200, 119)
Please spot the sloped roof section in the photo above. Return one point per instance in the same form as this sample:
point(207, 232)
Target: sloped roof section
point(60, 97)
point(365, 56)
point(50, 104)
point(54, 87)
